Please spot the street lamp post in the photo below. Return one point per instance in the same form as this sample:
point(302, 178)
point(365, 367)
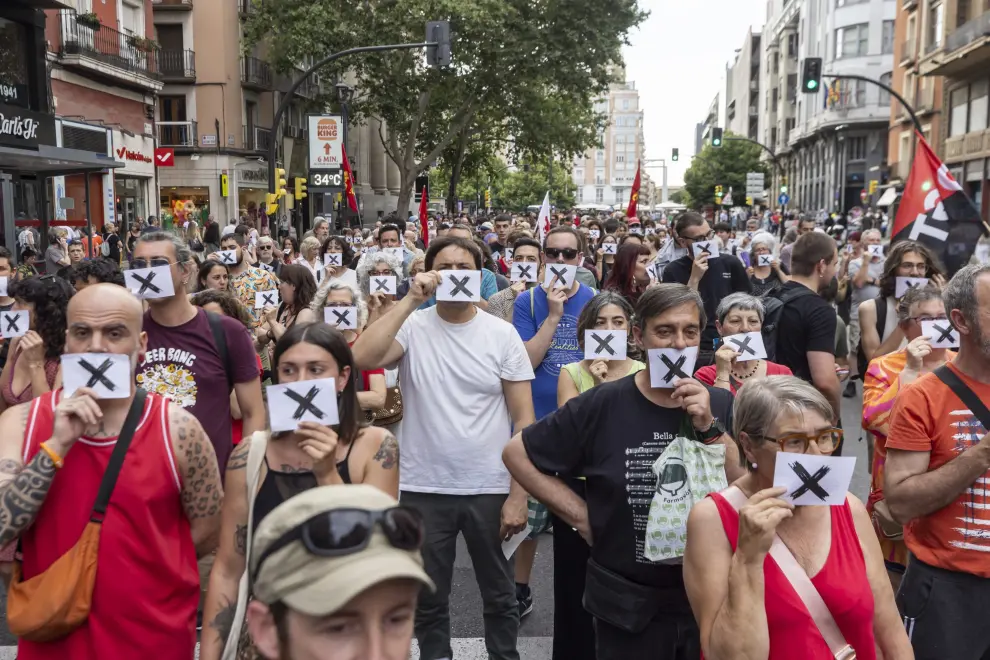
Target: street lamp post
point(663, 164)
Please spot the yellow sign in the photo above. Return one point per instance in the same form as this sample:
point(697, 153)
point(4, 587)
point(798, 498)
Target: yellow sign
point(749, 201)
point(873, 186)
point(224, 188)
point(718, 200)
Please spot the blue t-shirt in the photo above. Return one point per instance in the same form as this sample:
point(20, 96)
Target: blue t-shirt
point(489, 287)
point(564, 347)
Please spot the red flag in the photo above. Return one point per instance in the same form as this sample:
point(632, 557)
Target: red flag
point(348, 182)
point(935, 211)
point(633, 196)
point(424, 200)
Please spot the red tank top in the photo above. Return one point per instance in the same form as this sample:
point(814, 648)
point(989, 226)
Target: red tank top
point(147, 581)
point(841, 582)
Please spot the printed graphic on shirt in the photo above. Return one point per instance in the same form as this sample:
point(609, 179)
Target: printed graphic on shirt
point(167, 372)
point(974, 532)
point(641, 484)
point(563, 346)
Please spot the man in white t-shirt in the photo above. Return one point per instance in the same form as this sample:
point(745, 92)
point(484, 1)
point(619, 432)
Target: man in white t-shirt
point(465, 379)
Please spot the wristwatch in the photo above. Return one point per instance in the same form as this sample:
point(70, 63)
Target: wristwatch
point(715, 430)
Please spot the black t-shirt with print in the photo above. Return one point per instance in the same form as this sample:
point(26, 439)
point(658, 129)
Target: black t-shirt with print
point(806, 324)
point(612, 435)
point(726, 274)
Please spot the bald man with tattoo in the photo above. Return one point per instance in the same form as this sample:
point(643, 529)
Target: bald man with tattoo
point(163, 514)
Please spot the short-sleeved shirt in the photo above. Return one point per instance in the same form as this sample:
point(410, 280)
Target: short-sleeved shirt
point(725, 276)
point(868, 291)
point(250, 282)
point(52, 257)
point(612, 435)
point(184, 364)
point(707, 375)
point(455, 420)
point(529, 313)
point(807, 324)
point(929, 417)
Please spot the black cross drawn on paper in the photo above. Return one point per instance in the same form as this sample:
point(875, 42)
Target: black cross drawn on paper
point(381, 285)
point(704, 248)
point(674, 368)
point(910, 285)
point(146, 283)
point(604, 344)
point(333, 259)
point(342, 317)
point(561, 275)
point(525, 271)
point(742, 345)
point(305, 403)
point(266, 298)
point(765, 260)
point(810, 482)
point(460, 286)
point(944, 333)
point(12, 320)
point(98, 374)
point(227, 257)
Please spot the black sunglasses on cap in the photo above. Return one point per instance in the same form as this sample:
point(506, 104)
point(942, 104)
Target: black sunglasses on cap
point(553, 253)
point(347, 531)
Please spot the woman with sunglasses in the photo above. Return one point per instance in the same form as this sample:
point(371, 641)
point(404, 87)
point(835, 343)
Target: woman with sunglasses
point(746, 607)
point(213, 275)
point(628, 276)
point(341, 269)
point(313, 455)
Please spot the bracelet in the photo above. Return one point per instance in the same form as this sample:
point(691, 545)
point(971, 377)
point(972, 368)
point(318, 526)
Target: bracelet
point(56, 459)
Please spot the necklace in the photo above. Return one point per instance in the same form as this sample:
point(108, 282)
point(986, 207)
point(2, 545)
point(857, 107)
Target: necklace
point(756, 367)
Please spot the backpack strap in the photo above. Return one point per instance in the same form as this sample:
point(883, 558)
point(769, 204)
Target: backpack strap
point(220, 341)
point(969, 398)
point(116, 462)
point(880, 302)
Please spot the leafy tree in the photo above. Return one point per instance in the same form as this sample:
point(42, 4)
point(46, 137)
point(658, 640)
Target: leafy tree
point(521, 70)
point(678, 197)
point(726, 166)
point(527, 186)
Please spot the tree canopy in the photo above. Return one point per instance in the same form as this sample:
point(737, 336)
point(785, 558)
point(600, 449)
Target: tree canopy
point(726, 166)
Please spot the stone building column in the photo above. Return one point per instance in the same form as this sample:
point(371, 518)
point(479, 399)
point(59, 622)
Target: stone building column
point(376, 160)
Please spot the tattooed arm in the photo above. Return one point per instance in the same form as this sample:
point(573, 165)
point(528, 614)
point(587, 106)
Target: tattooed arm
point(202, 490)
point(221, 596)
point(22, 488)
point(382, 469)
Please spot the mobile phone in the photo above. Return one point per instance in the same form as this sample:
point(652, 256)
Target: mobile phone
point(715, 343)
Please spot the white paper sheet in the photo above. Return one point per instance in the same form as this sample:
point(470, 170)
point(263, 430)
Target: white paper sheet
point(667, 365)
point(109, 375)
point(605, 344)
point(302, 401)
point(459, 286)
point(813, 480)
point(749, 345)
point(146, 283)
point(940, 333)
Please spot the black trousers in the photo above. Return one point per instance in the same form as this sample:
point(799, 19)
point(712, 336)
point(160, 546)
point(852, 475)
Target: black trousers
point(574, 636)
point(667, 637)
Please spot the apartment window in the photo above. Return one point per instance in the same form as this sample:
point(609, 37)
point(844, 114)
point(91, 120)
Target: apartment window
point(904, 152)
point(620, 139)
point(852, 41)
point(859, 94)
point(600, 176)
point(599, 195)
point(775, 95)
point(856, 148)
point(792, 87)
point(579, 174)
point(846, 3)
point(620, 158)
point(132, 17)
point(599, 156)
point(620, 195)
point(620, 165)
point(776, 61)
point(936, 18)
point(908, 90)
point(978, 106)
point(580, 194)
point(887, 40)
point(884, 94)
point(792, 45)
point(962, 12)
point(958, 109)
point(625, 104)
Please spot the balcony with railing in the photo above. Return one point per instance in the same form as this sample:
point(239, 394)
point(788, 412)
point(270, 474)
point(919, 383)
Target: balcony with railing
point(245, 7)
point(256, 74)
point(97, 50)
point(177, 134)
point(909, 50)
point(178, 66)
point(966, 50)
point(257, 138)
point(180, 5)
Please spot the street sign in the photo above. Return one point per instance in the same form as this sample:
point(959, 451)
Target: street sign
point(864, 195)
point(755, 184)
point(164, 157)
point(783, 199)
point(325, 141)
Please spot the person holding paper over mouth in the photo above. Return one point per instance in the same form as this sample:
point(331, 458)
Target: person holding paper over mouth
point(373, 273)
point(308, 359)
point(756, 564)
point(612, 435)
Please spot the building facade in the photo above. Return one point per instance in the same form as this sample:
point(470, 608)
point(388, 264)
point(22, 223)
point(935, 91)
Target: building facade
point(742, 89)
point(778, 82)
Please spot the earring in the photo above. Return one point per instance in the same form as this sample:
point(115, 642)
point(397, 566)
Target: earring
point(755, 466)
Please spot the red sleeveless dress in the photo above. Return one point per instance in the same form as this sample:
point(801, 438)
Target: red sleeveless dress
point(147, 582)
point(841, 582)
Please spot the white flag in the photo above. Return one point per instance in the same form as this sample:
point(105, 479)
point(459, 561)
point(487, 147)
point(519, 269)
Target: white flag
point(543, 220)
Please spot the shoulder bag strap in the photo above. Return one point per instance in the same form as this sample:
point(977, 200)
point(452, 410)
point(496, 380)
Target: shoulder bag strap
point(220, 340)
point(969, 398)
point(117, 457)
point(802, 585)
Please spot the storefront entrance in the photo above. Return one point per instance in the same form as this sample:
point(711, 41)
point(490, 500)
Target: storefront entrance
point(132, 203)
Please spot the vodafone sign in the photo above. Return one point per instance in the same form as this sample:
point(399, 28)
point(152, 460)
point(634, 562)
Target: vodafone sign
point(164, 157)
point(325, 136)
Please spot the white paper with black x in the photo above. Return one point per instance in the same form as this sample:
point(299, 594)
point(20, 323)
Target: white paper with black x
point(508, 254)
point(605, 344)
point(764, 260)
point(396, 252)
point(562, 273)
point(334, 259)
point(342, 318)
point(749, 346)
point(609, 248)
point(154, 282)
point(594, 233)
point(902, 284)
point(227, 257)
point(982, 253)
point(383, 284)
point(3, 287)
point(109, 375)
point(941, 334)
point(14, 323)
point(650, 231)
point(459, 286)
point(875, 250)
point(813, 480)
point(524, 272)
point(635, 231)
point(302, 401)
point(669, 365)
point(706, 247)
point(264, 299)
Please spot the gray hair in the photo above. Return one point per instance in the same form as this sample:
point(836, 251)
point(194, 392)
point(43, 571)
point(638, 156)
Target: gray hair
point(335, 284)
point(760, 402)
point(960, 292)
point(663, 297)
point(763, 238)
point(183, 254)
point(915, 296)
point(869, 233)
point(367, 264)
point(741, 301)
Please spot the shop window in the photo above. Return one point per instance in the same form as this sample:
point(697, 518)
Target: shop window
point(14, 74)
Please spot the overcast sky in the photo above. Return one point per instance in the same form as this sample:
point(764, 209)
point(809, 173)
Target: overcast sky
point(677, 60)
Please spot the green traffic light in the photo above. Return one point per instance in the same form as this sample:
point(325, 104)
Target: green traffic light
point(812, 84)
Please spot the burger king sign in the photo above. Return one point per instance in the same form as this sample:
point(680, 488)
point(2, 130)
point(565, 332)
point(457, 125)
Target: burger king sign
point(326, 134)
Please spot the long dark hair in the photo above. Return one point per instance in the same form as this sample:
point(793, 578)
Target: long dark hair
point(888, 281)
point(594, 307)
point(347, 252)
point(302, 280)
point(50, 296)
point(622, 275)
point(204, 271)
point(211, 234)
point(333, 342)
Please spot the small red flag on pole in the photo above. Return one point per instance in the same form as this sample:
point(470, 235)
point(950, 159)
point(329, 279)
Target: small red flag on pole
point(634, 195)
point(349, 182)
point(424, 200)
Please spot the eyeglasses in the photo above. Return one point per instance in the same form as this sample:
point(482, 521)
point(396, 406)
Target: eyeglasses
point(922, 319)
point(798, 443)
point(265, 247)
point(553, 253)
point(703, 237)
point(150, 263)
point(347, 531)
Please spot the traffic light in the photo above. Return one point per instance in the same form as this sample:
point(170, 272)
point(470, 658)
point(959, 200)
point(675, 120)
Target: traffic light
point(488, 198)
point(783, 189)
point(438, 32)
point(300, 187)
point(271, 203)
point(675, 155)
point(812, 75)
point(280, 182)
point(717, 137)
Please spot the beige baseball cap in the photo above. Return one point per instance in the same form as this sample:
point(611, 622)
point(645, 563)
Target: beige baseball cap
point(316, 585)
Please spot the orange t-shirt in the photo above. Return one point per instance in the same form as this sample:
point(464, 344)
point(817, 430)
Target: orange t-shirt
point(928, 416)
